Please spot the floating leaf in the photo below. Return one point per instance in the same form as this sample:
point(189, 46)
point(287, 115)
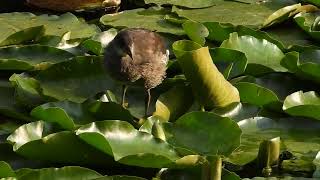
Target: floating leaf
point(281, 15)
point(233, 63)
point(174, 103)
point(304, 64)
point(308, 21)
point(127, 145)
point(97, 43)
point(31, 141)
point(190, 129)
point(226, 11)
point(25, 35)
point(31, 57)
point(208, 84)
point(262, 56)
point(257, 95)
point(142, 18)
point(188, 4)
point(75, 80)
point(303, 104)
point(11, 23)
point(5, 170)
point(68, 172)
point(196, 31)
point(27, 91)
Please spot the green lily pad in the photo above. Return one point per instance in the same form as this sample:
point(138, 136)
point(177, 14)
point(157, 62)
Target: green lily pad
point(238, 111)
point(262, 56)
point(25, 35)
point(188, 4)
point(174, 103)
point(128, 145)
point(6, 170)
point(31, 141)
point(68, 172)
point(151, 19)
point(196, 31)
point(70, 115)
point(7, 103)
point(254, 94)
point(231, 62)
point(190, 129)
point(12, 23)
point(252, 15)
point(303, 104)
point(65, 113)
point(97, 43)
point(27, 91)
point(31, 57)
point(298, 136)
point(281, 15)
point(208, 84)
point(308, 21)
point(75, 80)
point(304, 64)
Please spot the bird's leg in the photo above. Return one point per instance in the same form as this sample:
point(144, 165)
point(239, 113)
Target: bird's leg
point(124, 90)
point(147, 102)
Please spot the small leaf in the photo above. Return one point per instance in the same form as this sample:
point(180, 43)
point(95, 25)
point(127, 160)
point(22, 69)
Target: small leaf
point(221, 133)
point(303, 104)
point(197, 32)
point(174, 103)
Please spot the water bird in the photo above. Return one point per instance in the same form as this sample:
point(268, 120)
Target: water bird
point(137, 54)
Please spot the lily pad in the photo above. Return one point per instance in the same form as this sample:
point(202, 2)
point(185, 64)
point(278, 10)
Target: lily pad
point(254, 94)
point(262, 56)
point(208, 84)
point(231, 62)
point(31, 141)
point(31, 57)
point(23, 36)
point(303, 104)
point(196, 31)
point(75, 80)
point(11, 23)
point(174, 103)
point(5, 170)
point(188, 4)
point(308, 21)
point(304, 64)
point(226, 11)
point(128, 145)
point(151, 19)
point(68, 172)
point(190, 129)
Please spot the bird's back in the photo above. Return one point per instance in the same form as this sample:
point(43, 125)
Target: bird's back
point(137, 53)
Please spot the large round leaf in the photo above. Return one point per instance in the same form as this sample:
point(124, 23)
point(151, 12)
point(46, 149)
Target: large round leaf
point(228, 12)
point(303, 104)
point(31, 141)
point(54, 25)
point(31, 57)
point(262, 56)
point(68, 172)
point(188, 4)
point(204, 133)
point(127, 145)
point(140, 18)
point(75, 80)
point(208, 84)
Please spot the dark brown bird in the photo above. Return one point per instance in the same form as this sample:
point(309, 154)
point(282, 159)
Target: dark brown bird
point(137, 54)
